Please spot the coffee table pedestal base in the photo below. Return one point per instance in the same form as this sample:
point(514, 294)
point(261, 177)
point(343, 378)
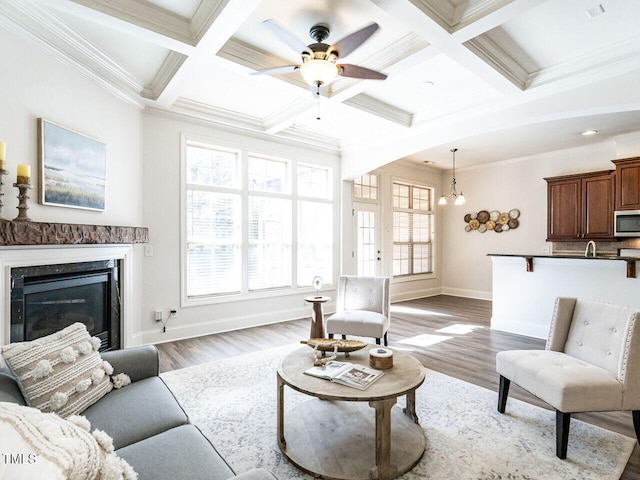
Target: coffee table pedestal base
point(337, 440)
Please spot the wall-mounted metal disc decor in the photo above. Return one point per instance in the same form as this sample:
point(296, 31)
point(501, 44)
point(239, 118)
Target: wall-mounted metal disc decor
point(492, 221)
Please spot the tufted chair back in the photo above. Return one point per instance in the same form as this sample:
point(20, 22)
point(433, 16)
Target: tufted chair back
point(363, 293)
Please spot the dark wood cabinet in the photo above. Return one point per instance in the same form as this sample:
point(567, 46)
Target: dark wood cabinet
point(627, 183)
point(580, 207)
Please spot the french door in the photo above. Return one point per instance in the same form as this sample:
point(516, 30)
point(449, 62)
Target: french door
point(367, 239)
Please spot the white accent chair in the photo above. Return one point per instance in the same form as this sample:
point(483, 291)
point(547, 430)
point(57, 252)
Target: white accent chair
point(362, 308)
point(591, 363)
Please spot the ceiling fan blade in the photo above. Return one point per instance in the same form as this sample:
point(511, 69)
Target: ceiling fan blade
point(349, 43)
point(276, 70)
point(287, 37)
point(355, 71)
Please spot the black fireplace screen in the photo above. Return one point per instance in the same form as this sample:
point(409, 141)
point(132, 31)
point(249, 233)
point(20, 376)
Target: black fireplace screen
point(47, 298)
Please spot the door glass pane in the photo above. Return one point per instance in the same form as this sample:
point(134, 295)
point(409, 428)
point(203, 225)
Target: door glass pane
point(366, 253)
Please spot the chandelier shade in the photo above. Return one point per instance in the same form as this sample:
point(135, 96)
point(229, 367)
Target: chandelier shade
point(457, 198)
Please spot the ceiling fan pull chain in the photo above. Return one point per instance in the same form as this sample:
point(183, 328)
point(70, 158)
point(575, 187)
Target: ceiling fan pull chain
point(318, 96)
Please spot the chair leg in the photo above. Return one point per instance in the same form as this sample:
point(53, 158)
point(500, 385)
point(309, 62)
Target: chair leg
point(636, 423)
point(377, 341)
point(331, 335)
point(344, 337)
point(562, 433)
point(503, 393)
point(386, 339)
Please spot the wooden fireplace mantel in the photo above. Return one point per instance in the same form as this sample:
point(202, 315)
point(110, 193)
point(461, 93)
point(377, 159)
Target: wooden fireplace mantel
point(43, 233)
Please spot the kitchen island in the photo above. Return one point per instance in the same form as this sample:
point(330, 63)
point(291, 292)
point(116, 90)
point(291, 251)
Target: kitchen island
point(525, 287)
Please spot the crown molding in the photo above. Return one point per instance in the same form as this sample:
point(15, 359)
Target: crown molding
point(37, 26)
point(195, 112)
point(145, 15)
point(205, 15)
point(164, 76)
point(380, 109)
point(492, 54)
point(605, 62)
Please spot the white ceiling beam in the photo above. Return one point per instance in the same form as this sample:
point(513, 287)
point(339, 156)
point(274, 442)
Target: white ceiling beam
point(216, 26)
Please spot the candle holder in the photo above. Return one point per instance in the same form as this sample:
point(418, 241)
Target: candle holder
point(22, 202)
point(3, 172)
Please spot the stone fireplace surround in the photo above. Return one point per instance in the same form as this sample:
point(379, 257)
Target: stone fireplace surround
point(25, 244)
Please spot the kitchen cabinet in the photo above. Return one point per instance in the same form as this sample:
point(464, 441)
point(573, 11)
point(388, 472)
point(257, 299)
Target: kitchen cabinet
point(580, 207)
point(627, 183)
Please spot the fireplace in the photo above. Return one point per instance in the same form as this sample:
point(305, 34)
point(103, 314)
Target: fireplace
point(47, 298)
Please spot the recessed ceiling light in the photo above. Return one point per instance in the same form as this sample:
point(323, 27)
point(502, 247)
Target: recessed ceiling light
point(427, 84)
point(595, 11)
point(586, 133)
point(428, 162)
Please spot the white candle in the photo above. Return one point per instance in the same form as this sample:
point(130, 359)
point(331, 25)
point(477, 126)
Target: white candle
point(24, 173)
point(3, 152)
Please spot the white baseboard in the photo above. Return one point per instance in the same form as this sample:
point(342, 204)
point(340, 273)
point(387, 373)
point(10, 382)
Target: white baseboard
point(182, 332)
point(415, 294)
point(510, 325)
point(461, 292)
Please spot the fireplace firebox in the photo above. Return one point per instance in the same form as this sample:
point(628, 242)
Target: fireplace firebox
point(47, 298)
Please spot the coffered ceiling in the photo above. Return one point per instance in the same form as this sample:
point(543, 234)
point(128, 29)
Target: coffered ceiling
point(497, 79)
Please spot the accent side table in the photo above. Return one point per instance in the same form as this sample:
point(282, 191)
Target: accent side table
point(317, 316)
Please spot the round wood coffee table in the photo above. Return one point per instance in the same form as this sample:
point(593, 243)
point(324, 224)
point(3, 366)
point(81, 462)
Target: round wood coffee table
point(335, 435)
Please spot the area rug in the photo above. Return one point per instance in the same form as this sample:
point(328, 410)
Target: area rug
point(233, 402)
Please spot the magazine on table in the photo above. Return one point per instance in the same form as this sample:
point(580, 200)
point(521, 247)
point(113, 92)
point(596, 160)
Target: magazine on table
point(345, 373)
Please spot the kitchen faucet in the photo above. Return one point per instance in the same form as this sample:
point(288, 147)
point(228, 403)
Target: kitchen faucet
point(589, 244)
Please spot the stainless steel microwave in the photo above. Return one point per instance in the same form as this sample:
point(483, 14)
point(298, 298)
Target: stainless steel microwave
point(627, 223)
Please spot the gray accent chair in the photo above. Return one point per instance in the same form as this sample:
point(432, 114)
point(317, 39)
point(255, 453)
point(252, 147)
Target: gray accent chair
point(591, 363)
point(362, 308)
point(150, 430)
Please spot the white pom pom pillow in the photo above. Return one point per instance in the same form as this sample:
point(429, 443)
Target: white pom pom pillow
point(62, 372)
point(46, 446)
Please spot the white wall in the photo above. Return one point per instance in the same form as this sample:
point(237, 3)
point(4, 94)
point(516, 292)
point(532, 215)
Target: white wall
point(161, 289)
point(517, 183)
point(33, 85)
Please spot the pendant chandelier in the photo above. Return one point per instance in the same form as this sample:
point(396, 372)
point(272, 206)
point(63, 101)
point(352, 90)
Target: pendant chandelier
point(458, 198)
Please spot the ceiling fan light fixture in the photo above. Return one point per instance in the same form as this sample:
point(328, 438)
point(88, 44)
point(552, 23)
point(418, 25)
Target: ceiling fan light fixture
point(320, 72)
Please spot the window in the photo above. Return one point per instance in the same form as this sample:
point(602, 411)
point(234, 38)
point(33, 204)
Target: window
point(366, 187)
point(247, 232)
point(213, 222)
point(412, 230)
point(315, 225)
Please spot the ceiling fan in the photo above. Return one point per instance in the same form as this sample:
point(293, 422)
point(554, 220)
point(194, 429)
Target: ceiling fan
point(319, 65)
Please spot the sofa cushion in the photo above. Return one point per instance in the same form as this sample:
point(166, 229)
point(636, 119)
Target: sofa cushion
point(46, 446)
point(181, 452)
point(138, 411)
point(61, 372)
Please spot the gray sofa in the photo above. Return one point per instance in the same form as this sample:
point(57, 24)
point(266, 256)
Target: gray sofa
point(150, 430)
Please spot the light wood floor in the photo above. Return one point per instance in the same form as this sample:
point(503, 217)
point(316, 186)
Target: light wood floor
point(417, 323)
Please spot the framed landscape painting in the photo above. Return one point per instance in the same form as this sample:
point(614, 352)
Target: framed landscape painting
point(72, 168)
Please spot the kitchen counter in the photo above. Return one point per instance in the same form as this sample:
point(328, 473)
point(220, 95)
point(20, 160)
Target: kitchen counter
point(599, 256)
point(523, 296)
point(631, 261)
